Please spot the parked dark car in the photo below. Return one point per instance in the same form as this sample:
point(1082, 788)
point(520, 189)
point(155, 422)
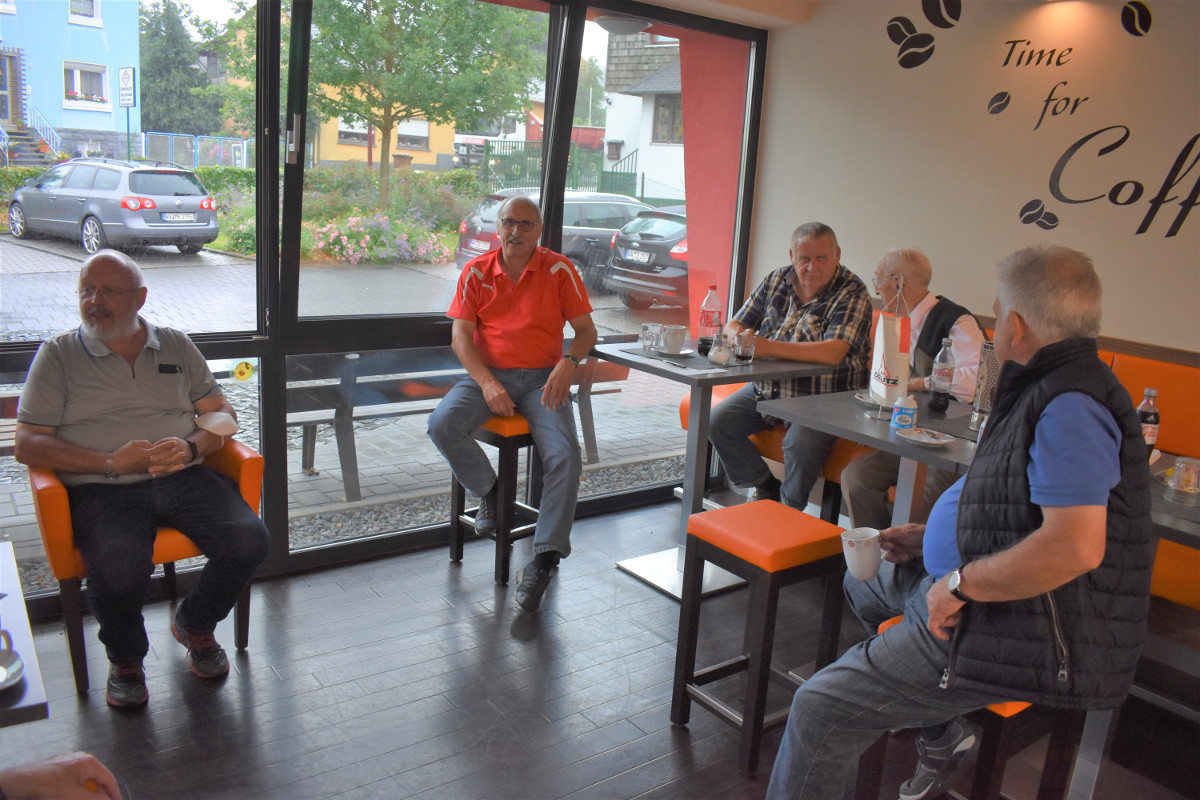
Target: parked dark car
point(102, 202)
point(589, 221)
point(648, 261)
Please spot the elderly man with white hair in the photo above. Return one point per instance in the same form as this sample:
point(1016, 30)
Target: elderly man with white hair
point(1031, 579)
point(932, 318)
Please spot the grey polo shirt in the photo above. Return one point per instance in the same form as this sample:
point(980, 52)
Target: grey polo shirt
point(92, 398)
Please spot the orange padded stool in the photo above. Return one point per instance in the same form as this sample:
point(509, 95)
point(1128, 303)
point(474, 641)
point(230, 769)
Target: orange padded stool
point(770, 546)
point(508, 435)
point(1003, 735)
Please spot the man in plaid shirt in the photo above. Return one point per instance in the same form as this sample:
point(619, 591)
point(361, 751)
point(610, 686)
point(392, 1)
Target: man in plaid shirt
point(811, 310)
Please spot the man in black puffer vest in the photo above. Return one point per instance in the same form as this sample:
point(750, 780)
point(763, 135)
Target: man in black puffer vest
point(1031, 579)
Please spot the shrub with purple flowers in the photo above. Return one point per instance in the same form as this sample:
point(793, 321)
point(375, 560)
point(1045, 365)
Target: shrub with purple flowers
point(375, 239)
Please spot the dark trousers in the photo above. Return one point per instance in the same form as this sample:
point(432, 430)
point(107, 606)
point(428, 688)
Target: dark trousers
point(115, 526)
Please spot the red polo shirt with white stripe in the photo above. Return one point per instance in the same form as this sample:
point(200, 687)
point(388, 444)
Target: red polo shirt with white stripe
point(520, 325)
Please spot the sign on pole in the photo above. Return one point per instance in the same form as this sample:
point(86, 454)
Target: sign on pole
point(125, 87)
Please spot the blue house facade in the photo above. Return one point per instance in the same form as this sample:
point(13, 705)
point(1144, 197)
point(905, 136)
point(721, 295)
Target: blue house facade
point(60, 67)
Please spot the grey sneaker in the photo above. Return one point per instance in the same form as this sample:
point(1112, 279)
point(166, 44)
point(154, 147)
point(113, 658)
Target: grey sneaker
point(206, 658)
point(939, 767)
point(485, 517)
point(531, 585)
point(126, 685)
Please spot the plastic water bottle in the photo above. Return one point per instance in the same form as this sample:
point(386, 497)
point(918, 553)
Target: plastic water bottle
point(904, 413)
point(941, 380)
point(710, 320)
point(1148, 415)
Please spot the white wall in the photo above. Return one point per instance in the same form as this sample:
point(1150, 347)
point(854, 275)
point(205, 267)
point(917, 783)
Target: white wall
point(891, 156)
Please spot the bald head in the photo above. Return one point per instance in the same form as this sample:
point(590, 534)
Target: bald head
point(118, 261)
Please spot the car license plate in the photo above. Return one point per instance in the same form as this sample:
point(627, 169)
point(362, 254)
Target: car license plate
point(637, 255)
point(178, 217)
point(480, 246)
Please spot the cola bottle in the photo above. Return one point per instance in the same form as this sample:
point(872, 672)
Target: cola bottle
point(710, 321)
point(1148, 416)
point(941, 380)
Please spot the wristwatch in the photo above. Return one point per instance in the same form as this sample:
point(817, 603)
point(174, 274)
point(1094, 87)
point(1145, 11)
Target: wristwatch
point(192, 445)
point(953, 582)
point(572, 359)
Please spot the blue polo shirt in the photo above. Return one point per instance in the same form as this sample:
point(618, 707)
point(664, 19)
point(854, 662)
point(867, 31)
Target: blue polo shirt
point(1075, 461)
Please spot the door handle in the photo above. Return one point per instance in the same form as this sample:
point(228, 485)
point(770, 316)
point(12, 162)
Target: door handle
point(293, 144)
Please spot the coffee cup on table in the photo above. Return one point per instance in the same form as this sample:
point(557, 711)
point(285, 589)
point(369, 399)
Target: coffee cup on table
point(863, 552)
point(1183, 485)
point(673, 337)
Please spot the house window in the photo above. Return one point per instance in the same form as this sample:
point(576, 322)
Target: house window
point(85, 83)
point(413, 134)
point(656, 39)
point(84, 12)
point(668, 118)
point(352, 132)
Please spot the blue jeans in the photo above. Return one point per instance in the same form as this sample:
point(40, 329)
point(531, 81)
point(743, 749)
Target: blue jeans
point(888, 681)
point(804, 450)
point(115, 526)
point(463, 409)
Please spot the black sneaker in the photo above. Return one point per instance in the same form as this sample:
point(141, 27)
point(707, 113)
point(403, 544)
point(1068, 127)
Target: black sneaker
point(206, 658)
point(767, 490)
point(532, 582)
point(939, 767)
point(126, 685)
point(485, 517)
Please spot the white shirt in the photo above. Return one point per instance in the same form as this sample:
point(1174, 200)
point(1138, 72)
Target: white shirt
point(966, 342)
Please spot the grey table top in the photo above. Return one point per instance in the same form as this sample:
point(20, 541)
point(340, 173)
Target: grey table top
point(843, 414)
point(24, 701)
point(631, 354)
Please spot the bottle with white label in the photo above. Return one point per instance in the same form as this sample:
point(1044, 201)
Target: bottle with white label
point(904, 413)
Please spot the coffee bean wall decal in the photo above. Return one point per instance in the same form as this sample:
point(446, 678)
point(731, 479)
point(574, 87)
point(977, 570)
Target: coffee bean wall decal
point(1048, 221)
point(1135, 17)
point(999, 102)
point(942, 13)
point(1032, 211)
point(916, 50)
point(900, 28)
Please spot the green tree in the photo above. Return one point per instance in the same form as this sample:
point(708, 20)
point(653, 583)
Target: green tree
point(175, 97)
point(590, 103)
point(460, 62)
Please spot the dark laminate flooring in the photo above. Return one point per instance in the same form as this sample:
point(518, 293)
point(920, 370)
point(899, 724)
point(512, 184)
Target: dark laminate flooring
point(410, 677)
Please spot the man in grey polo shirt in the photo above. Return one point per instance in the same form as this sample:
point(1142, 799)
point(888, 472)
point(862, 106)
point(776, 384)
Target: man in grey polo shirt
point(112, 408)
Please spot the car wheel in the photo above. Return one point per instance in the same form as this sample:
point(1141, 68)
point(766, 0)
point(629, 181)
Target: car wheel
point(636, 302)
point(190, 249)
point(92, 236)
point(16, 221)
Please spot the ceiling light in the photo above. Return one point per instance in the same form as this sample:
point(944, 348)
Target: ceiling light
point(622, 26)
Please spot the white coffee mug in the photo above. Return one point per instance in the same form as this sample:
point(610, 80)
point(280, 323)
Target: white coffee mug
point(862, 551)
point(673, 337)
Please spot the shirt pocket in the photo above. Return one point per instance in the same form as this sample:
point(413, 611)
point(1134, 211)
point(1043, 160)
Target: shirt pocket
point(805, 327)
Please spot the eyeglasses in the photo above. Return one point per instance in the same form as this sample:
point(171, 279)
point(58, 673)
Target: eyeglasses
point(524, 224)
point(877, 280)
point(108, 293)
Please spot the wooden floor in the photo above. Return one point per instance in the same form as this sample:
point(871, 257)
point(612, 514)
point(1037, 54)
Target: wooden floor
point(413, 677)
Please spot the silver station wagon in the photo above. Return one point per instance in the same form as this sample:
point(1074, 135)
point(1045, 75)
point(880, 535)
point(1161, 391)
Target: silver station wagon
point(106, 202)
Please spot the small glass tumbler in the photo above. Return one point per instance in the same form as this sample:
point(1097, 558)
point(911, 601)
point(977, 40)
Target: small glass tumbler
point(743, 346)
point(651, 335)
point(1183, 486)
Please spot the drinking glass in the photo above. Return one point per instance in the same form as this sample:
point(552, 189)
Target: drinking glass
point(651, 333)
point(1184, 484)
point(743, 346)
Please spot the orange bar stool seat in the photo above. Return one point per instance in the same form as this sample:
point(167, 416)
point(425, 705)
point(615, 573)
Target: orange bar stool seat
point(770, 546)
point(1004, 734)
point(514, 519)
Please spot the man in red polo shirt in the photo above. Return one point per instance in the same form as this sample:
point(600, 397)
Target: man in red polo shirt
point(508, 312)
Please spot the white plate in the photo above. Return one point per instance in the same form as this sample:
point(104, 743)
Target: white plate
point(863, 397)
point(684, 352)
point(925, 436)
point(11, 668)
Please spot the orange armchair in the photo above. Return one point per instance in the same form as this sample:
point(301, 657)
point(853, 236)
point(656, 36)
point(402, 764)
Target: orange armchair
point(236, 460)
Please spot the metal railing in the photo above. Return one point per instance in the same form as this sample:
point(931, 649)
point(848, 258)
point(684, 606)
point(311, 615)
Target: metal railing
point(44, 129)
point(4, 144)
